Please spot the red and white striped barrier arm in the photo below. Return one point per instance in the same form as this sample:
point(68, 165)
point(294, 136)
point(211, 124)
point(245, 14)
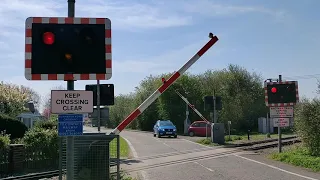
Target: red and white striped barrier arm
point(164, 86)
point(193, 108)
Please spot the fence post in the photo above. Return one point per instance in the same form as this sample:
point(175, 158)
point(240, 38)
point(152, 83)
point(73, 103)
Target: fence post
point(60, 141)
point(118, 157)
point(16, 158)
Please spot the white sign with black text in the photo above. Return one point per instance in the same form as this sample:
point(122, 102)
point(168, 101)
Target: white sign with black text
point(282, 122)
point(77, 101)
point(281, 111)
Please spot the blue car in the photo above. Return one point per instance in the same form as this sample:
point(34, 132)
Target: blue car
point(164, 128)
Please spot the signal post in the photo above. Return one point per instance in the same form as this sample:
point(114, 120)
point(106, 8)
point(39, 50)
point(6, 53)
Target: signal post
point(68, 49)
point(281, 96)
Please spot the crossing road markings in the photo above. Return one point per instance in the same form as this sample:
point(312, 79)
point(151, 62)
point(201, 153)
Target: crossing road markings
point(274, 167)
point(182, 161)
point(204, 167)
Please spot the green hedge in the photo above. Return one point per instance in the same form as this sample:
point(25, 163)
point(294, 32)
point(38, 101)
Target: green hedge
point(307, 124)
point(47, 124)
point(40, 141)
point(4, 141)
point(11, 126)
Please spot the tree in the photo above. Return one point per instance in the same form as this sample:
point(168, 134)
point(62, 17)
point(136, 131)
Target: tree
point(241, 91)
point(47, 100)
point(307, 123)
point(32, 95)
point(14, 97)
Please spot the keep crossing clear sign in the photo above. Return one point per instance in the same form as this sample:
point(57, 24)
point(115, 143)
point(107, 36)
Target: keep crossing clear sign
point(65, 102)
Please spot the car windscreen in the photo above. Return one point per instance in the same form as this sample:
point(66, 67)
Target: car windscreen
point(165, 123)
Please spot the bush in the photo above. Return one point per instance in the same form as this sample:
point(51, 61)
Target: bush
point(307, 124)
point(11, 126)
point(47, 124)
point(42, 141)
point(4, 140)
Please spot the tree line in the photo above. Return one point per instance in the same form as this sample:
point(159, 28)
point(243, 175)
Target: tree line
point(14, 97)
point(241, 91)
point(242, 95)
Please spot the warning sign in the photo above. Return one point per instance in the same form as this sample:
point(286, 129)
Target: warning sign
point(65, 102)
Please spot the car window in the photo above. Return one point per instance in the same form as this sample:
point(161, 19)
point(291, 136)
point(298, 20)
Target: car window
point(202, 124)
point(195, 125)
point(166, 123)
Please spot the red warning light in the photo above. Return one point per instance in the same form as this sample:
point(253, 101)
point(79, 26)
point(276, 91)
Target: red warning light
point(48, 38)
point(273, 90)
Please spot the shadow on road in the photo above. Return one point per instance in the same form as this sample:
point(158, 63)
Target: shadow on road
point(129, 161)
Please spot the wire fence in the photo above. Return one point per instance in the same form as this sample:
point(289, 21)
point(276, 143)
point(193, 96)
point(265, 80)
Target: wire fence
point(96, 157)
point(18, 159)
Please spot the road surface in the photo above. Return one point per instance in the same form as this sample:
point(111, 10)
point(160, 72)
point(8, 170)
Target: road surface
point(176, 159)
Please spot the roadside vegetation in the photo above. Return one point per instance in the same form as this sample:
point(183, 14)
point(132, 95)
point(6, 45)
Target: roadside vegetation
point(241, 91)
point(298, 155)
point(243, 103)
point(124, 148)
point(307, 125)
point(243, 138)
point(41, 147)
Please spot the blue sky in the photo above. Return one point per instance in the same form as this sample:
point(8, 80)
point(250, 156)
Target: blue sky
point(151, 37)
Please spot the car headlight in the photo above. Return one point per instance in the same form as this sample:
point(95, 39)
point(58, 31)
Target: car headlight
point(174, 129)
point(162, 130)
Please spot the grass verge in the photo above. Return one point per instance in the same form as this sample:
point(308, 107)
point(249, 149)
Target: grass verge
point(298, 156)
point(253, 137)
point(124, 148)
point(207, 142)
point(236, 139)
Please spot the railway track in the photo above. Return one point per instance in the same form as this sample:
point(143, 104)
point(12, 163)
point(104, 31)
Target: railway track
point(34, 176)
point(258, 145)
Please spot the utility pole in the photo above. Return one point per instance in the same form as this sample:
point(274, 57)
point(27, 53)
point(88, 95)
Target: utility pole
point(70, 86)
point(215, 116)
point(279, 126)
point(98, 105)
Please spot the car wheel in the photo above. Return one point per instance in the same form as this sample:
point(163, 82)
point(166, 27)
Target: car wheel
point(154, 135)
point(159, 135)
point(191, 133)
point(175, 136)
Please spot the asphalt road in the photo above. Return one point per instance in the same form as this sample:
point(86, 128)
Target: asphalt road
point(176, 159)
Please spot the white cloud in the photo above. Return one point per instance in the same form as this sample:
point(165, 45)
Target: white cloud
point(212, 8)
point(125, 15)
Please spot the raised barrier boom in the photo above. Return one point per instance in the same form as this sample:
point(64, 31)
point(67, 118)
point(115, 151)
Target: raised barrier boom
point(165, 85)
point(193, 108)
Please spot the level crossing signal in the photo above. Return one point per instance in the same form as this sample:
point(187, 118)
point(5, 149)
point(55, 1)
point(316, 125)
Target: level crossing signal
point(209, 102)
point(68, 48)
point(106, 94)
point(281, 93)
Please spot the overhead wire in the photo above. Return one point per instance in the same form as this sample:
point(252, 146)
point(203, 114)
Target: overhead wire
point(306, 76)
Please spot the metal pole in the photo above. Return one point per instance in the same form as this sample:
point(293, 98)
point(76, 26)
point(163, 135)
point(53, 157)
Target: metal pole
point(206, 130)
point(98, 105)
point(60, 157)
point(215, 117)
point(70, 86)
point(118, 157)
point(187, 111)
point(229, 130)
point(279, 126)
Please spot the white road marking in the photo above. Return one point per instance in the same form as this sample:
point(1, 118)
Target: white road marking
point(135, 155)
point(274, 167)
point(134, 152)
point(144, 175)
point(204, 166)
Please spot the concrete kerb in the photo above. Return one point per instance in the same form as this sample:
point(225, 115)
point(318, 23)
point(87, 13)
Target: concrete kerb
point(141, 175)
